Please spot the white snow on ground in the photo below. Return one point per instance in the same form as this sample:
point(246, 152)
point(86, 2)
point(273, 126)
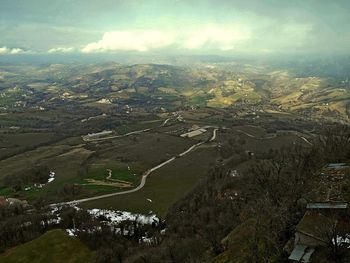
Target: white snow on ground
point(146, 240)
point(53, 221)
point(342, 240)
point(39, 186)
point(162, 232)
point(71, 232)
point(119, 216)
point(51, 177)
point(113, 218)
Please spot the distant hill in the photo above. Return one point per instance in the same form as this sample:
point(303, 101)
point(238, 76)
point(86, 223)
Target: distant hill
point(221, 84)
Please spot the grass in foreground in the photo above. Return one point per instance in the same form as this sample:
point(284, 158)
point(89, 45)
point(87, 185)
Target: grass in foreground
point(54, 246)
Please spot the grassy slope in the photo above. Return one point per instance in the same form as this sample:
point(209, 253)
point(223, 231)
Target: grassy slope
point(237, 244)
point(54, 246)
point(164, 186)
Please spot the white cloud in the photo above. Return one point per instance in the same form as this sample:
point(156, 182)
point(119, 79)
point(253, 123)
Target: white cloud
point(3, 50)
point(61, 50)
point(214, 37)
point(130, 41)
point(11, 51)
point(16, 51)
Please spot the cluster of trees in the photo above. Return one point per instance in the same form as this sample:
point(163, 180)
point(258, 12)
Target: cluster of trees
point(35, 175)
point(270, 202)
point(66, 192)
point(19, 225)
point(265, 200)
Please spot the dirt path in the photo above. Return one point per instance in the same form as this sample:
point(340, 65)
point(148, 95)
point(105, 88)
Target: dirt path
point(126, 134)
point(274, 136)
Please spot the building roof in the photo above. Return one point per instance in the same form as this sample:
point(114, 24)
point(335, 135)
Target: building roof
point(193, 133)
point(315, 225)
point(307, 255)
point(337, 165)
point(301, 253)
point(327, 205)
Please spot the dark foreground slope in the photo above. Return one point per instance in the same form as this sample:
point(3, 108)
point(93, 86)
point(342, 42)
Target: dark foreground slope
point(53, 246)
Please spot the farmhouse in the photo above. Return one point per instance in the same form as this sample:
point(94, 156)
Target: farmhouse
point(97, 135)
point(193, 133)
point(335, 171)
point(323, 216)
point(315, 229)
point(17, 202)
point(328, 205)
point(301, 254)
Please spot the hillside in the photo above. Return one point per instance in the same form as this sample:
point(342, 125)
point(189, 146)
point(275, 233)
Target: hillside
point(54, 246)
point(167, 86)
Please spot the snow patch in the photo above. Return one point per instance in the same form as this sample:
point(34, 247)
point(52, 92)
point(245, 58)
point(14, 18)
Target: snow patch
point(71, 232)
point(341, 240)
point(116, 217)
point(51, 177)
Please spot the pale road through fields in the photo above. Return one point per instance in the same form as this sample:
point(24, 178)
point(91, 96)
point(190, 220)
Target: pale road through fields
point(144, 176)
point(148, 172)
point(123, 135)
point(274, 136)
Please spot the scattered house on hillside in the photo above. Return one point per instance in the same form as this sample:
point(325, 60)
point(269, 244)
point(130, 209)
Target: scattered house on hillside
point(315, 229)
point(195, 127)
point(337, 166)
point(328, 205)
point(335, 171)
point(319, 225)
point(311, 232)
point(15, 201)
point(105, 101)
point(12, 201)
point(193, 133)
point(232, 173)
point(96, 135)
point(249, 153)
point(301, 253)
point(332, 179)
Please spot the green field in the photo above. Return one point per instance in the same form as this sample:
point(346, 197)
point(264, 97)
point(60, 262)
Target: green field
point(17, 142)
point(164, 186)
point(99, 172)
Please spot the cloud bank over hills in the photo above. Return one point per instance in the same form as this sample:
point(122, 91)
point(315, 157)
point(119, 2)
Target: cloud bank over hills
point(209, 37)
point(174, 26)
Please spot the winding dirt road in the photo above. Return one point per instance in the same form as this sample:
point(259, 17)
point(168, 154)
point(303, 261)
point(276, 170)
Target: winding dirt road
point(274, 136)
point(124, 135)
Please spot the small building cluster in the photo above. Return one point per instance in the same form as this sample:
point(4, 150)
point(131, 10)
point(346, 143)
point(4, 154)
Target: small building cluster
point(13, 202)
point(96, 135)
point(195, 130)
point(193, 133)
point(325, 222)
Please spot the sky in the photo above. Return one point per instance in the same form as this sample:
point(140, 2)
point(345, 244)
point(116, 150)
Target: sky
point(174, 26)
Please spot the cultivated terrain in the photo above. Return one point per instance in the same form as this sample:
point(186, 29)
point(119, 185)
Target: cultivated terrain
point(164, 142)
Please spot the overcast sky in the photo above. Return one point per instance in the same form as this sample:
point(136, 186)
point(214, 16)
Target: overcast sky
point(174, 26)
